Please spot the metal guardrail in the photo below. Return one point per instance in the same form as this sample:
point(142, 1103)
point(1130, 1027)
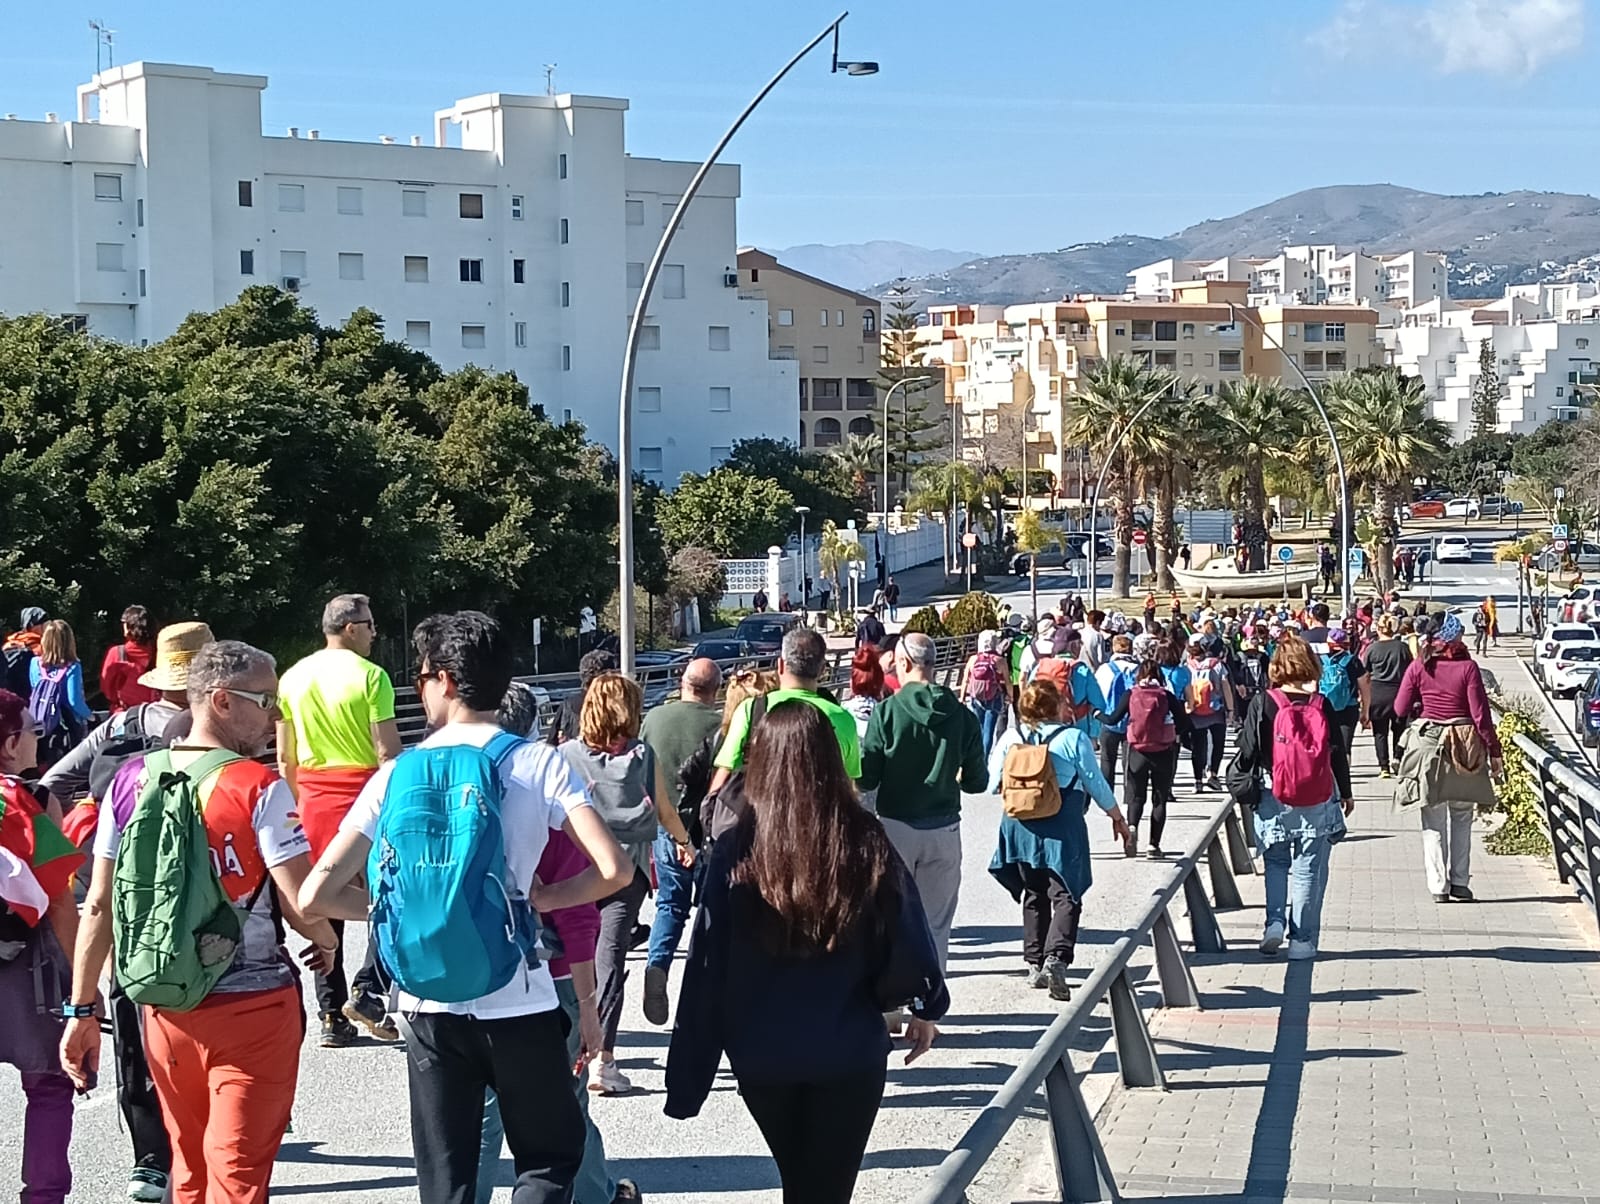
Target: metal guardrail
point(1081, 1167)
point(1572, 816)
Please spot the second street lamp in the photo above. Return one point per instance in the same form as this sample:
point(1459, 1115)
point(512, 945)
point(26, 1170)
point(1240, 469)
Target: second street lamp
point(899, 384)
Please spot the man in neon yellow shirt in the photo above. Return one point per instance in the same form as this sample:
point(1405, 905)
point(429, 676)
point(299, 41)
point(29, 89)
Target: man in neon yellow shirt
point(338, 725)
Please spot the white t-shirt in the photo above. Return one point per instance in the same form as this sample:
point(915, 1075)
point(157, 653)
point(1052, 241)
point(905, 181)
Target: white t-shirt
point(539, 790)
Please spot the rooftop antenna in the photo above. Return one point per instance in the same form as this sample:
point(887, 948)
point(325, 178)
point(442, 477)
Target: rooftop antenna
point(550, 79)
point(103, 37)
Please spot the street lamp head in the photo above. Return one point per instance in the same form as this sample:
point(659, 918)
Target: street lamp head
point(856, 68)
point(802, 509)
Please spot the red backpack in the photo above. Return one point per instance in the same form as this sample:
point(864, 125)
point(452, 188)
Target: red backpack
point(1302, 742)
point(983, 679)
point(1150, 725)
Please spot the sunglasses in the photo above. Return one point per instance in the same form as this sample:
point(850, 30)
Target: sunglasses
point(432, 675)
point(265, 699)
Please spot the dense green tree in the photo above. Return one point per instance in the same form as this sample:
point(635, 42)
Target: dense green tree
point(817, 481)
point(917, 421)
point(731, 512)
point(1474, 465)
point(1487, 391)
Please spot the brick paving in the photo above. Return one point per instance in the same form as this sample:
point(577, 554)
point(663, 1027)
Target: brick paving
point(1433, 1053)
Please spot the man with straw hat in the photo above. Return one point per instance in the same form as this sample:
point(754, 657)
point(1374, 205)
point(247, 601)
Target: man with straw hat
point(90, 766)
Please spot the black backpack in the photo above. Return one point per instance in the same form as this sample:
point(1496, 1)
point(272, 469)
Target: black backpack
point(18, 658)
point(133, 740)
point(721, 810)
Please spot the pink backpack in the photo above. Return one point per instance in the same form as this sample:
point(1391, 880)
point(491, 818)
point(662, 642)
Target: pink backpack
point(1302, 762)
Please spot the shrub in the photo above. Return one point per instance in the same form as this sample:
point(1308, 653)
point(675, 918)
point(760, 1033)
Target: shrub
point(973, 613)
point(926, 621)
point(1517, 795)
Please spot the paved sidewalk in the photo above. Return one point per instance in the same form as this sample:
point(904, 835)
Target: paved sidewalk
point(1432, 1052)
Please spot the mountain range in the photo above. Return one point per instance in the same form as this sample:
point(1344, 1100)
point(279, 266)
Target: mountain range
point(1491, 239)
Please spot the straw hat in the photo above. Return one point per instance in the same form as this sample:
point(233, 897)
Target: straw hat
point(176, 647)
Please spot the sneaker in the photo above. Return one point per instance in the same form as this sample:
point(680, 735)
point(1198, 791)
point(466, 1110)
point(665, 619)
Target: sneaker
point(655, 994)
point(609, 1080)
point(1383, 772)
point(1155, 853)
point(1037, 978)
point(1214, 784)
point(147, 1183)
point(1441, 898)
point(337, 1032)
point(1055, 973)
point(1272, 939)
point(639, 937)
point(1461, 894)
point(1301, 951)
point(627, 1192)
point(371, 1015)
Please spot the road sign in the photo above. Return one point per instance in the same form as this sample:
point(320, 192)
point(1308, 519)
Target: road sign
point(1560, 544)
point(1285, 553)
point(969, 540)
point(1357, 557)
point(1558, 531)
point(1139, 536)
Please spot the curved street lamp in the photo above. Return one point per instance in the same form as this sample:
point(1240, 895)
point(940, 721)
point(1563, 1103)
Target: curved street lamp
point(1094, 503)
point(626, 619)
point(899, 384)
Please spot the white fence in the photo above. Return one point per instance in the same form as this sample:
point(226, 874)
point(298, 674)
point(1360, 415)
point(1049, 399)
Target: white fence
point(780, 571)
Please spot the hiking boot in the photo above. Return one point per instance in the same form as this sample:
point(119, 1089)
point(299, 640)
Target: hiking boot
point(1272, 939)
point(609, 1080)
point(371, 1015)
point(337, 1032)
point(655, 994)
point(1055, 974)
point(1461, 894)
point(1037, 978)
point(147, 1182)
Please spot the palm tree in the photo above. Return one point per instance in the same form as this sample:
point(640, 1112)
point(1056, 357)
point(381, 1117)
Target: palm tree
point(1387, 435)
point(1112, 394)
point(861, 457)
point(1254, 426)
point(835, 554)
point(935, 486)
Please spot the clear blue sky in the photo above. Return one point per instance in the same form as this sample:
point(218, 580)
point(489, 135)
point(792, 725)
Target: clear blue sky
point(992, 128)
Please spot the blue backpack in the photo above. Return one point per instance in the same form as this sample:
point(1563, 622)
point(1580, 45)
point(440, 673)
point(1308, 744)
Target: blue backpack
point(1334, 685)
point(449, 922)
point(1121, 684)
point(47, 702)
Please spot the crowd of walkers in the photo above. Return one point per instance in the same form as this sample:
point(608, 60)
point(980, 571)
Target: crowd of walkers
point(808, 842)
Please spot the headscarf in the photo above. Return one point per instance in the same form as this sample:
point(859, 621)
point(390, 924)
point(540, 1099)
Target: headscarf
point(1449, 630)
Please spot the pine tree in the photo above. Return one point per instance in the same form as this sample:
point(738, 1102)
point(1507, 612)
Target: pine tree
point(917, 422)
point(1486, 391)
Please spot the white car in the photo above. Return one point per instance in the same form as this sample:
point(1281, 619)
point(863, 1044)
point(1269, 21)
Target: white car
point(1574, 664)
point(1584, 554)
point(1456, 548)
point(1461, 507)
point(1553, 646)
point(1584, 597)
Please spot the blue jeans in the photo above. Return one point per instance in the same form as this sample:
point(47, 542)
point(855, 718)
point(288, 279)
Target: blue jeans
point(989, 716)
point(594, 1184)
point(1295, 844)
point(674, 896)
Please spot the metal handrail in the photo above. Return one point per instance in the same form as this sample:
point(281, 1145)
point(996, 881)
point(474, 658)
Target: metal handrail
point(1081, 1165)
point(1572, 819)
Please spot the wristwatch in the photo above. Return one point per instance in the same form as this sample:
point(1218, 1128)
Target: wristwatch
point(76, 1011)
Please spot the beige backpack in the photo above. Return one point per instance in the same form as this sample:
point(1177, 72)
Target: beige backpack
point(1028, 786)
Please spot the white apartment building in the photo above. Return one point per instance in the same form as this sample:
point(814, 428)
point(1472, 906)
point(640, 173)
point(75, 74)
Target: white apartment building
point(1310, 275)
point(520, 247)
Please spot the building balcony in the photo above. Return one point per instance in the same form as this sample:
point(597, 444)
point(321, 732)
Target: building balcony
point(782, 353)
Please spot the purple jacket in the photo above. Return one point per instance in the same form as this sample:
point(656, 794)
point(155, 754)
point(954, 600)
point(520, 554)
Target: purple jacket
point(578, 927)
point(1448, 687)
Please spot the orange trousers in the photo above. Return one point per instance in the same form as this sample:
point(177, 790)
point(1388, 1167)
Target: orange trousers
point(225, 1074)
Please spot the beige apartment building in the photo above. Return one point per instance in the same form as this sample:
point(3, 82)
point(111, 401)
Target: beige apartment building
point(832, 333)
point(1012, 371)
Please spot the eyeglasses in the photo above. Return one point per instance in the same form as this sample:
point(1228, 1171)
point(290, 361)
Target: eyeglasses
point(363, 623)
point(430, 675)
point(265, 699)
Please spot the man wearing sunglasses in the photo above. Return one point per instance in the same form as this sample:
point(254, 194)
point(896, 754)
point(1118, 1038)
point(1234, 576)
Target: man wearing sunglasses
point(338, 726)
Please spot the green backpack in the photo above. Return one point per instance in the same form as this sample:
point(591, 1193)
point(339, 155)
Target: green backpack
point(174, 932)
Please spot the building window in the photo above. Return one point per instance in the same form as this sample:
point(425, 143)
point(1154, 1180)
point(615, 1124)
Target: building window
point(755, 275)
point(861, 426)
point(649, 338)
point(1207, 360)
point(108, 256)
point(719, 338)
point(519, 334)
point(349, 201)
point(351, 266)
point(561, 166)
point(1228, 361)
point(649, 461)
point(291, 198)
point(1119, 331)
point(668, 208)
point(516, 208)
point(649, 400)
point(819, 354)
point(247, 194)
point(869, 322)
point(1166, 359)
point(473, 336)
point(413, 202)
point(416, 269)
point(565, 232)
point(825, 393)
point(247, 263)
point(1334, 332)
point(1143, 330)
point(825, 433)
point(1188, 359)
point(861, 355)
point(635, 212)
point(1188, 330)
point(1560, 391)
point(472, 204)
point(1166, 332)
point(822, 318)
point(1141, 359)
point(672, 281)
point(721, 400)
point(804, 398)
point(838, 318)
point(636, 275)
point(802, 431)
point(141, 293)
point(566, 294)
point(786, 317)
point(138, 213)
point(1313, 332)
point(519, 271)
point(107, 186)
point(472, 271)
point(419, 334)
point(1209, 390)
point(292, 263)
point(566, 358)
point(77, 324)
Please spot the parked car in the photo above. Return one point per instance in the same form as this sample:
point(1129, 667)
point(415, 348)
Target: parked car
point(1557, 639)
point(1456, 548)
point(1574, 664)
point(1426, 508)
point(1461, 507)
point(1586, 712)
point(1586, 597)
point(722, 650)
point(1434, 495)
point(1050, 559)
point(1585, 555)
point(1499, 505)
point(764, 633)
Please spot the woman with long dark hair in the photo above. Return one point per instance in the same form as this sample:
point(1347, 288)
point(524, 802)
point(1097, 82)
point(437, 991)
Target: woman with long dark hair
point(1387, 658)
point(125, 662)
point(810, 929)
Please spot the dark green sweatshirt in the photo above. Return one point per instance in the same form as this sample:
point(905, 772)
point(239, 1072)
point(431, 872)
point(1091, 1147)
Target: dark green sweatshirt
point(922, 749)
